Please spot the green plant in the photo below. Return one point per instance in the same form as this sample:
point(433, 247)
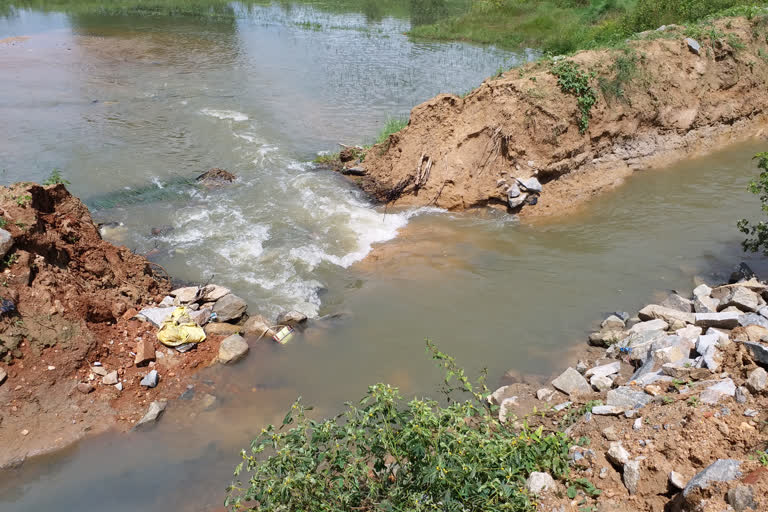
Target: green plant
point(573, 80)
point(583, 484)
point(573, 415)
point(693, 401)
point(735, 42)
point(387, 454)
point(10, 259)
point(326, 159)
point(757, 234)
point(55, 178)
point(392, 126)
point(3, 222)
point(762, 458)
point(666, 400)
point(23, 200)
point(623, 70)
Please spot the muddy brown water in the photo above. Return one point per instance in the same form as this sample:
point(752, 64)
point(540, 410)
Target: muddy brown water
point(129, 108)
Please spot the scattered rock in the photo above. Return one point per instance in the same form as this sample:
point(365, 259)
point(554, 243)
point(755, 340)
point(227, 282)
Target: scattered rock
point(531, 185)
point(545, 394)
point(150, 380)
point(222, 329)
point(229, 308)
point(637, 424)
point(649, 326)
point(604, 370)
point(750, 413)
point(581, 367)
point(208, 402)
point(153, 413)
point(560, 407)
point(232, 349)
point(156, 316)
point(714, 393)
point(539, 483)
point(742, 395)
point(610, 433)
point(506, 408)
point(617, 455)
point(702, 291)
point(6, 242)
point(516, 202)
point(216, 177)
point(187, 294)
point(500, 394)
point(572, 382)
point(627, 398)
point(99, 370)
point(110, 379)
point(723, 340)
point(693, 45)
point(85, 387)
point(631, 476)
point(212, 293)
point(606, 338)
point(675, 301)
point(674, 318)
point(759, 351)
point(676, 480)
point(145, 352)
point(705, 304)
point(353, 171)
point(601, 383)
point(607, 410)
point(257, 325)
point(741, 498)
point(291, 318)
point(721, 320)
point(742, 273)
point(758, 380)
point(722, 470)
point(753, 319)
point(613, 323)
point(513, 192)
point(742, 298)
point(201, 317)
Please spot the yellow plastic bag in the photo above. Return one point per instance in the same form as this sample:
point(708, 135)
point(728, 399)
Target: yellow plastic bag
point(180, 329)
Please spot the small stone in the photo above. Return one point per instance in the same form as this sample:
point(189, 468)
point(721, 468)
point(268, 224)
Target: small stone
point(110, 379)
point(291, 318)
point(531, 185)
point(156, 316)
point(638, 424)
point(675, 301)
point(201, 317)
point(506, 408)
point(212, 293)
point(693, 45)
point(705, 304)
point(545, 394)
point(676, 480)
point(208, 402)
point(560, 407)
point(603, 473)
point(538, 483)
point(750, 413)
point(3, 376)
point(85, 387)
point(25, 432)
point(714, 393)
point(222, 329)
point(99, 370)
point(601, 382)
point(581, 367)
point(572, 382)
point(153, 413)
point(500, 394)
point(51, 368)
point(702, 291)
point(742, 395)
point(759, 351)
point(610, 433)
point(617, 454)
point(607, 410)
point(187, 294)
point(150, 380)
point(613, 323)
point(145, 352)
point(606, 338)
point(604, 370)
point(515, 202)
point(232, 349)
point(631, 476)
point(513, 191)
point(741, 498)
point(757, 380)
point(119, 386)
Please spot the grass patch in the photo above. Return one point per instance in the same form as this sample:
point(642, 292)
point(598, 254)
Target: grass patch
point(392, 126)
point(326, 159)
point(623, 71)
point(386, 453)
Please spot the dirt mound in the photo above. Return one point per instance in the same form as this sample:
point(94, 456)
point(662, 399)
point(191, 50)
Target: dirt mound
point(60, 274)
point(657, 101)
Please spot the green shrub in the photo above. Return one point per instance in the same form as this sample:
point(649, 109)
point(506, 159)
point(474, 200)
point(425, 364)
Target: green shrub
point(757, 234)
point(392, 126)
point(622, 72)
point(573, 80)
point(386, 454)
point(55, 178)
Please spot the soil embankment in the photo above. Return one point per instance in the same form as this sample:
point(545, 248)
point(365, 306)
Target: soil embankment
point(72, 349)
point(664, 97)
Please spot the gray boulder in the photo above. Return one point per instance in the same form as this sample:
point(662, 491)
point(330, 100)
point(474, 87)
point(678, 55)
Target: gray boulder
point(705, 304)
point(531, 185)
point(613, 323)
point(631, 476)
point(571, 382)
point(513, 192)
point(741, 498)
point(675, 301)
point(229, 308)
point(722, 470)
point(6, 242)
point(257, 325)
point(627, 398)
point(649, 326)
point(759, 351)
point(153, 413)
point(742, 298)
point(232, 349)
point(715, 392)
point(186, 295)
point(753, 319)
point(604, 370)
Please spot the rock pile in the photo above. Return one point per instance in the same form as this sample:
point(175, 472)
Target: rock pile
point(672, 415)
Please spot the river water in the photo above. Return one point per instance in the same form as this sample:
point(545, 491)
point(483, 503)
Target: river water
point(131, 108)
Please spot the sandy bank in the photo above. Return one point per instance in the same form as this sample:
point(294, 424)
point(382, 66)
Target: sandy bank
point(658, 100)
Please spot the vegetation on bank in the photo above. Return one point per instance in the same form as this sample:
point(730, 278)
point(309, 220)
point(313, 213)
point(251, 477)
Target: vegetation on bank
point(389, 454)
point(757, 233)
point(564, 26)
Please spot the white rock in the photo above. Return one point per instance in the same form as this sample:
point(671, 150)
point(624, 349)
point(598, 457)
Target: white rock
point(6, 242)
point(723, 340)
point(604, 370)
point(572, 382)
point(232, 349)
point(677, 480)
point(506, 408)
point(617, 454)
point(651, 325)
point(187, 294)
point(545, 394)
point(714, 393)
point(758, 380)
point(608, 410)
point(601, 382)
point(539, 483)
point(631, 476)
point(153, 414)
point(499, 395)
point(638, 424)
point(110, 379)
point(702, 290)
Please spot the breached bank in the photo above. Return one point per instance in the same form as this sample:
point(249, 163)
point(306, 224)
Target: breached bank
point(580, 124)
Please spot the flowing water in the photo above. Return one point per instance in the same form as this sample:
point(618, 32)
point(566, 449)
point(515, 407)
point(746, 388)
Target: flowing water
point(132, 108)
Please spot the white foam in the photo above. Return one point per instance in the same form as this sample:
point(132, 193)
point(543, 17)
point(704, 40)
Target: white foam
point(234, 115)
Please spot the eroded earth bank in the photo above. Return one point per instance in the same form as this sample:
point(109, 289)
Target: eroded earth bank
point(664, 96)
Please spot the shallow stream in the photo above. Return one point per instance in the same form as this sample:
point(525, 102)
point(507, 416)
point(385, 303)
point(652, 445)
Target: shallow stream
point(131, 108)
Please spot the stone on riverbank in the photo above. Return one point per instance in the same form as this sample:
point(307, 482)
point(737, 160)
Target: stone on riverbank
point(742, 298)
point(757, 380)
point(613, 323)
point(153, 413)
point(674, 318)
point(291, 318)
point(232, 349)
point(719, 320)
point(571, 382)
point(229, 308)
point(257, 325)
point(604, 370)
point(222, 329)
point(722, 470)
point(150, 380)
point(606, 338)
point(675, 301)
point(649, 326)
point(627, 398)
point(156, 316)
